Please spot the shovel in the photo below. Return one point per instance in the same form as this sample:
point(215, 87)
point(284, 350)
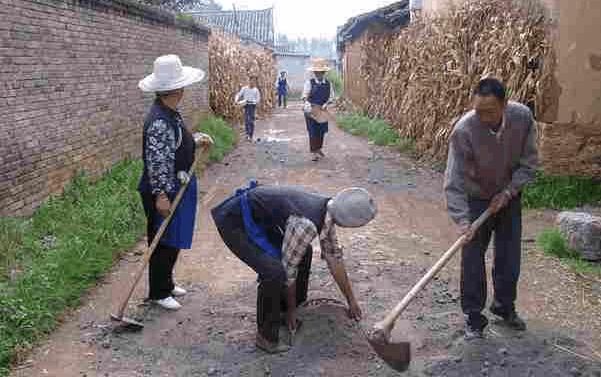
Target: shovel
point(398, 355)
point(131, 323)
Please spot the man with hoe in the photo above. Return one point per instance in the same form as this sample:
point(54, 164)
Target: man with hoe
point(492, 155)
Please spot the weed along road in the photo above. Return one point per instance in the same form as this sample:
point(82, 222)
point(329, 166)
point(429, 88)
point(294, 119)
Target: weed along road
point(214, 332)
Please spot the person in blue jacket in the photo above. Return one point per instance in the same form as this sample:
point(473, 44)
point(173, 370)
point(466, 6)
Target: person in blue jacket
point(282, 88)
point(168, 153)
point(270, 229)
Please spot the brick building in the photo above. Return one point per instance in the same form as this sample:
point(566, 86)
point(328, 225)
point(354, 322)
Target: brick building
point(357, 30)
point(251, 26)
point(69, 99)
point(570, 129)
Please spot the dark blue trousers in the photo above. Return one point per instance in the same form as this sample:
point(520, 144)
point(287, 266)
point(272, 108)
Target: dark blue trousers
point(249, 119)
point(507, 228)
point(282, 99)
point(271, 292)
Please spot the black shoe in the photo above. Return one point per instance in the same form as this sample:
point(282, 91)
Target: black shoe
point(473, 333)
point(511, 319)
point(475, 323)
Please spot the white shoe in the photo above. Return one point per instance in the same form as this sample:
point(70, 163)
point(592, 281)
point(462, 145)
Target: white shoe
point(178, 292)
point(169, 303)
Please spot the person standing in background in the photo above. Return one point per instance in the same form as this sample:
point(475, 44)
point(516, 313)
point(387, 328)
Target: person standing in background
point(318, 93)
point(249, 97)
point(282, 88)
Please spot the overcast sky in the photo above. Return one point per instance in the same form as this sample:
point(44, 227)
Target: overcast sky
point(309, 18)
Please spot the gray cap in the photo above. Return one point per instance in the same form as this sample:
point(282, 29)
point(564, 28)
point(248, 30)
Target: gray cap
point(352, 207)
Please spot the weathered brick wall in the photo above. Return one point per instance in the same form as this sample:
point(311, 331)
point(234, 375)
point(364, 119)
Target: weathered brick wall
point(68, 88)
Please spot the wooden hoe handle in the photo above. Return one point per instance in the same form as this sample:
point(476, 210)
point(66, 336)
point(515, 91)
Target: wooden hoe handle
point(387, 323)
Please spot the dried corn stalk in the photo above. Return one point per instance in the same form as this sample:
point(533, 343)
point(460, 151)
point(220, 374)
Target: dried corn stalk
point(420, 79)
point(231, 63)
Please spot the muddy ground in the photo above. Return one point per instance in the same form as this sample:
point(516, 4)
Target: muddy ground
point(213, 335)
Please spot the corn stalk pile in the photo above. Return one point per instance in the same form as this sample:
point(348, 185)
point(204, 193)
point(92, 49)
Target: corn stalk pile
point(231, 63)
point(420, 79)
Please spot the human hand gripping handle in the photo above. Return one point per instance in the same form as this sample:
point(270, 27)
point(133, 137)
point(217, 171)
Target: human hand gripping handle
point(498, 202)
point(163, 205)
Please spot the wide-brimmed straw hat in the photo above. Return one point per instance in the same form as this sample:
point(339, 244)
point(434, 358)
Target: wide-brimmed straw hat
point(352, 207)
point(319, 65)
point(169, 74)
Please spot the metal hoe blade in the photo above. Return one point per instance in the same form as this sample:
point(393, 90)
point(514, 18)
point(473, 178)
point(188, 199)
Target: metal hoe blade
point(129, 323)
point(396, 355)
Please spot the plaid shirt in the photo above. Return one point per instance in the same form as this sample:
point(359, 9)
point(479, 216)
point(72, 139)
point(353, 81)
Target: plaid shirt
point(300, 232)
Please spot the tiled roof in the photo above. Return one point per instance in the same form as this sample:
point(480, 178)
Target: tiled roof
point(285, 49)
point(393, 17)
point(254, 25)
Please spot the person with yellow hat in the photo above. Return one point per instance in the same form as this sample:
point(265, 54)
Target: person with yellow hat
point(318, 93)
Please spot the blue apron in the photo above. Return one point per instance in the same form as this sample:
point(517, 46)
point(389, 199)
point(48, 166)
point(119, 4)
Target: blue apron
point(254, 232)
point(180, 231)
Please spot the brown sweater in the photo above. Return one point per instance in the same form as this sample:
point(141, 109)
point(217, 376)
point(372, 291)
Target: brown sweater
point(481, 163)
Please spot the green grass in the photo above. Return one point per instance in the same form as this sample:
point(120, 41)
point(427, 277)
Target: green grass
point(223, 135)
point(61, 251)
point(561, 192)
point(336, 80)
point(376, 130)
point(553, 243)
point(48, 260)
point(11, 239)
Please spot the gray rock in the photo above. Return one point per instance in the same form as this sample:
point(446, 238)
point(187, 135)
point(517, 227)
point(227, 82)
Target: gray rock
point(583, 233)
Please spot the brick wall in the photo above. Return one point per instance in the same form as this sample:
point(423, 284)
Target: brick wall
point(355, 86)
point(68, 88)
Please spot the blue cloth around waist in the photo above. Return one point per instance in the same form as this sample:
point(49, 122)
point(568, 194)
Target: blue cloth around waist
point(254, 232)
point(316, 129)
point(180, 231)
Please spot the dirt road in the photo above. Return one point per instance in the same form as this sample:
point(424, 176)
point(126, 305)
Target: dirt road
point(213, 335)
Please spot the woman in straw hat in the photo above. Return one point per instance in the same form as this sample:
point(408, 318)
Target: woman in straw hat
point(317, 94)
point(168, 154)
point(270, 228)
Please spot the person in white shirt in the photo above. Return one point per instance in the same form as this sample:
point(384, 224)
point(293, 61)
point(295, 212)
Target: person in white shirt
point(317, 94)
point(249, 96)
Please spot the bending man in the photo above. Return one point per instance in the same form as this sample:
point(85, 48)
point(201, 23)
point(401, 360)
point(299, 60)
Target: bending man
point(270, 228)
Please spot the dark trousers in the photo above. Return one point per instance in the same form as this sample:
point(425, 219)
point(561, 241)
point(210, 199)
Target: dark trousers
point(249, 119)
point(163, 259)
point(507, 228)
point(272, 277)
point(315, 143)
point(282, 99)
point(315, 138)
